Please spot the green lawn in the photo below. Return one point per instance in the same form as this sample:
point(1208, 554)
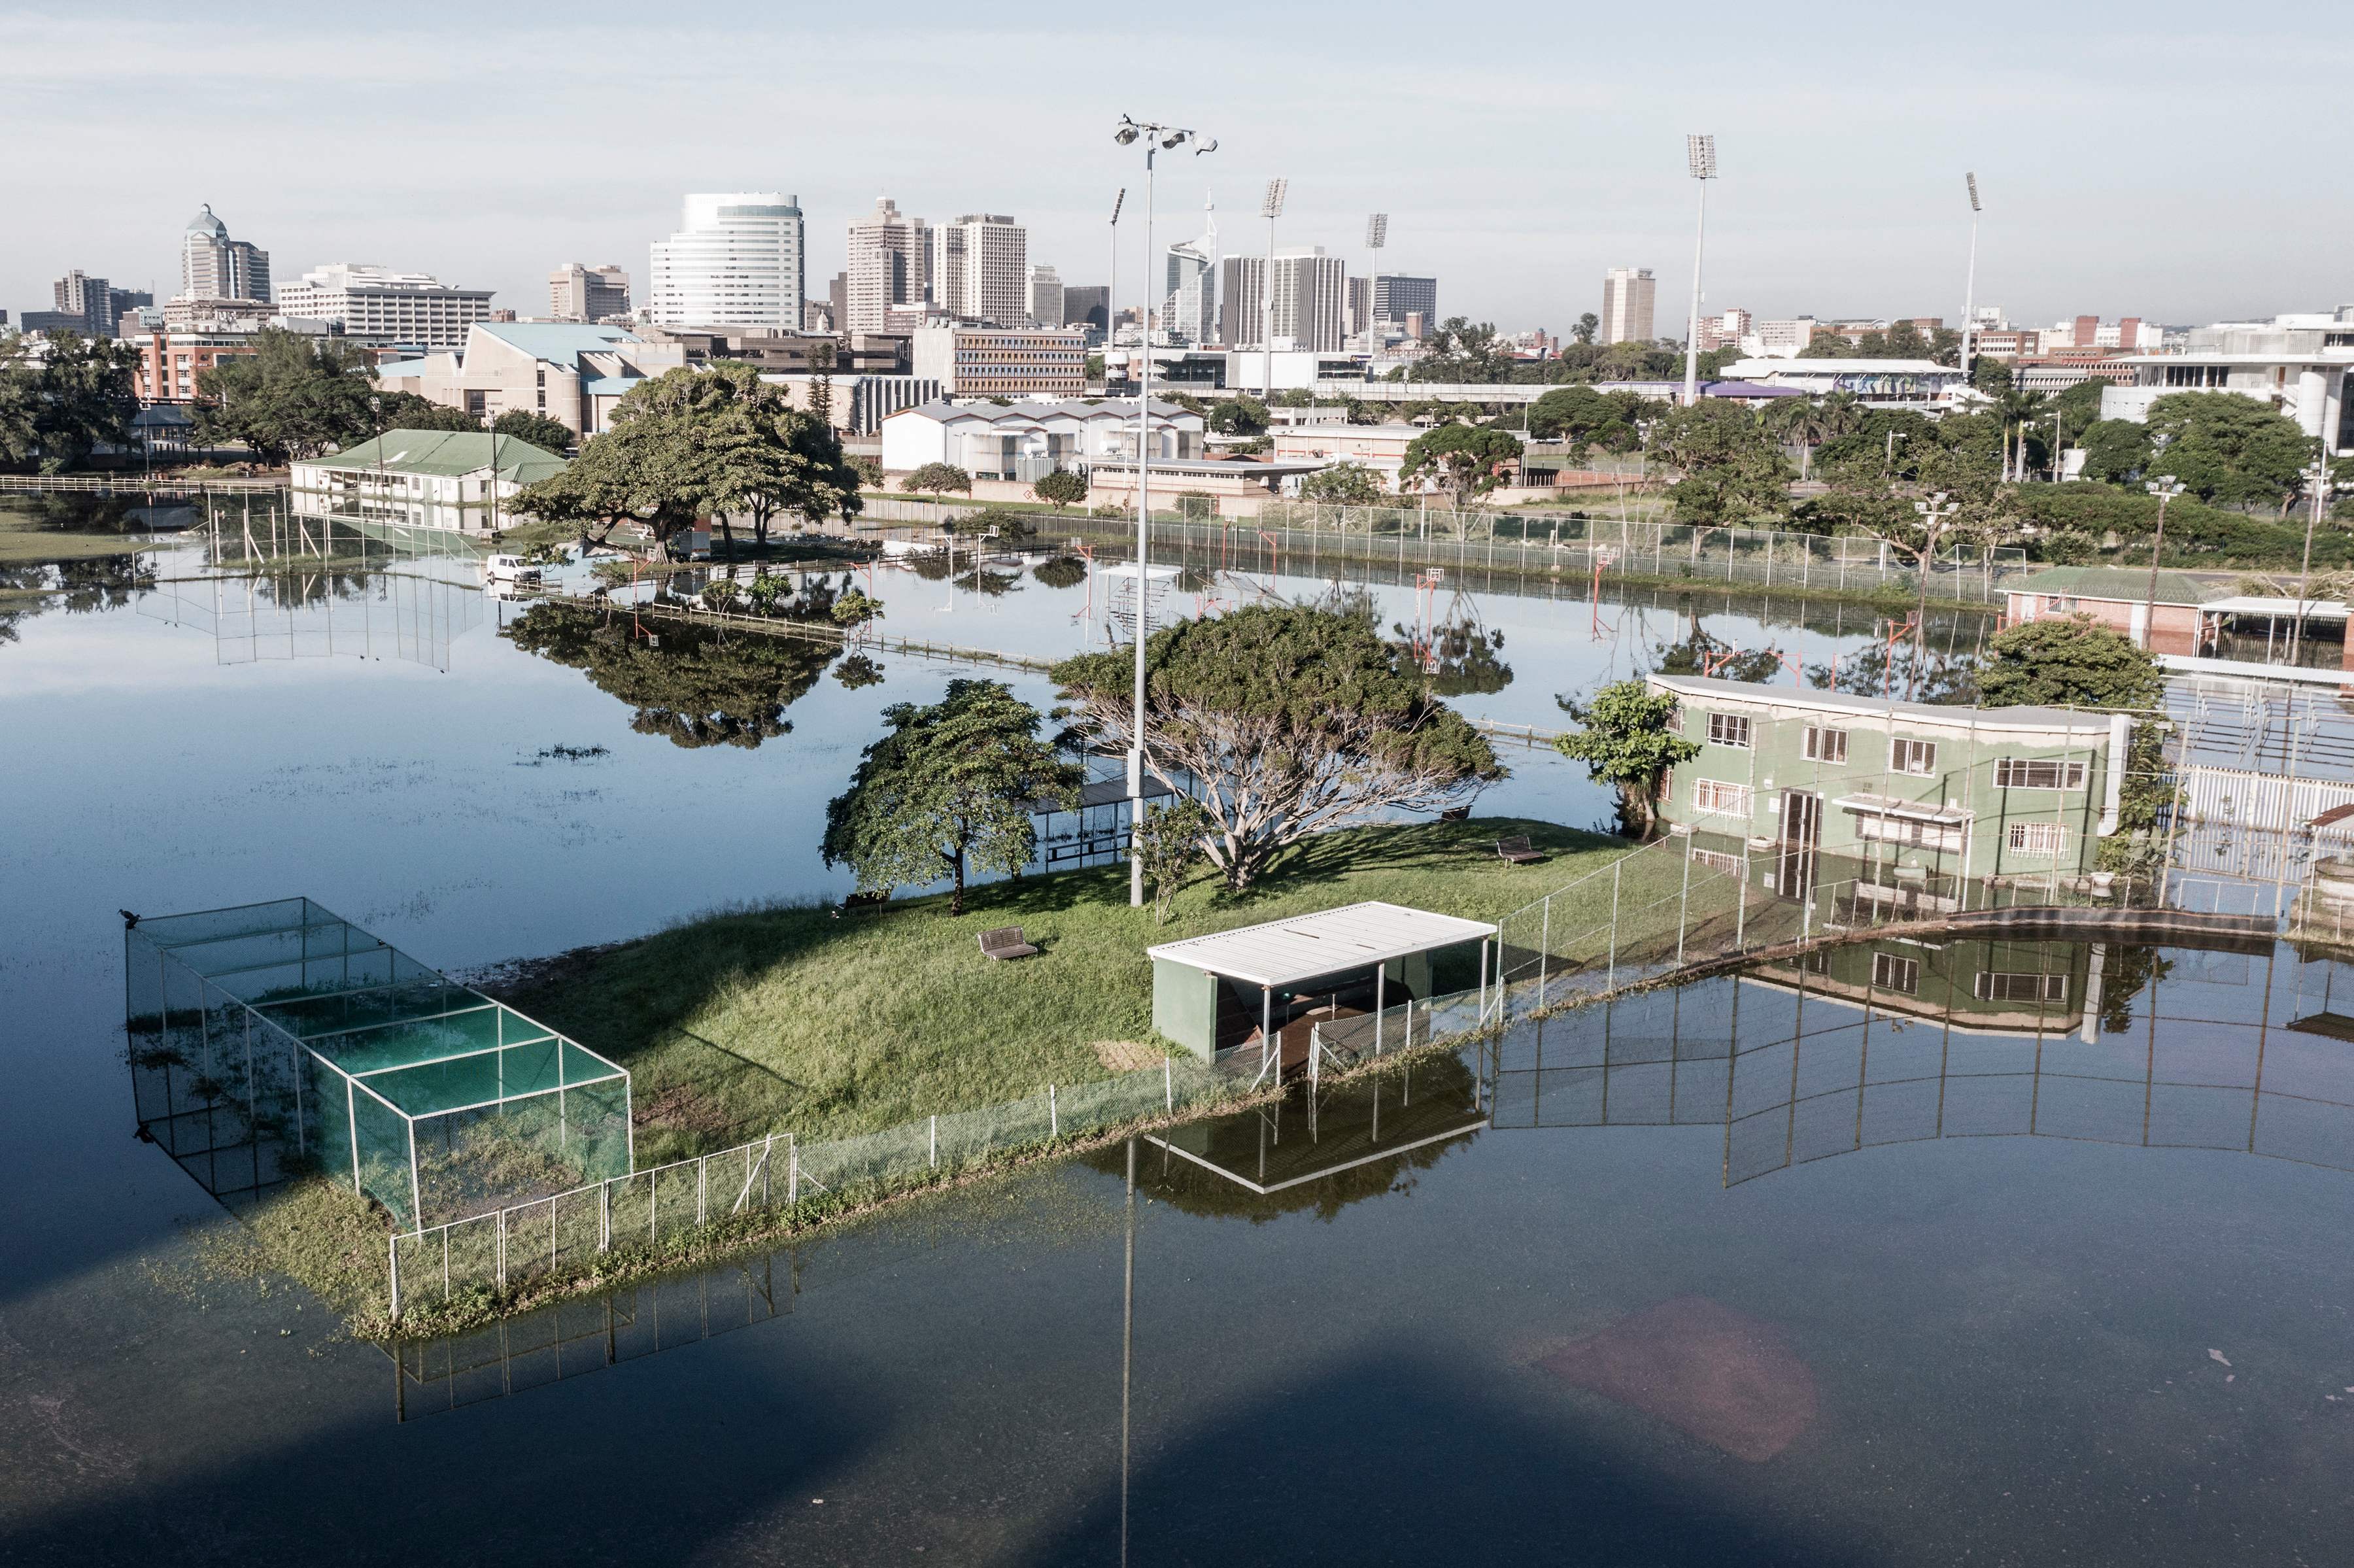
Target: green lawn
point(742, 1022)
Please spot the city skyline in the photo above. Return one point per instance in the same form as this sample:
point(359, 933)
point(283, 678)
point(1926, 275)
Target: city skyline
point(1809, 215)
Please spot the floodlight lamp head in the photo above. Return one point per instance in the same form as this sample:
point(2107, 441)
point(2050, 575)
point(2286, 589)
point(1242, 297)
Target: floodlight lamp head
point(1116, 203)
point(1973, 180)
point(1271, 206)
point(1124, 136)
point(1700, 154)
point(1209, 146)
point(1377, 230)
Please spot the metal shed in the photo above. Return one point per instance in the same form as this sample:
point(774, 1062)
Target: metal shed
point(1266, 985)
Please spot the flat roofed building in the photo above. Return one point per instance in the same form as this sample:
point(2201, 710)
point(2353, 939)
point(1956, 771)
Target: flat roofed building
point(1915, 795)
point(1922, 383)
point(1029, 439)
point(1003, 361)
point(737, 259)
point(579, 294)
point(377, 305)
point(1397, 294)
point(2298, 364)
point(429, 478)
point(2118, 597)
point(1628, 296)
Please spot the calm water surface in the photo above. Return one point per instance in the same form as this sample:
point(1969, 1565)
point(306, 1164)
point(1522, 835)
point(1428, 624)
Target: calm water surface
point(1732, 1276)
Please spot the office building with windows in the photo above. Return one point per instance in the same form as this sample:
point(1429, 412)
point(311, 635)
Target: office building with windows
point(889, 264)
point(1045, 297)
point(738, 260)
point(980, 269)
point(1189, 313)
point(377, 305)
point(215, 267)
point(1003, 361)
point(579, 294)
point(1629, 297)
point(1241, 302)
point(1397, 296)
point(1308, 291)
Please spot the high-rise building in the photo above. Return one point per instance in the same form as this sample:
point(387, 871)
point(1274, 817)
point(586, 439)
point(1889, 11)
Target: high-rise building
point(1308, 290)
point(889, 264)
point(1395, 296)
point(1189, 297)
point(91, 307)
point(1628, 294)
point(981, 268)
point(374, 304)
point(1241, 302)
point(215, 267)
point(579, 294)
point(1361, 306)
point(1087, 305)
point(737, 260)
point(1045, 297)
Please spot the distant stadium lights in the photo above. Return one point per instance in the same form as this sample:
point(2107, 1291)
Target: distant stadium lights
point(1117, 202)
point(1377, 231)
point(1973, 179)
point(1272, 207)
point(1700, 151)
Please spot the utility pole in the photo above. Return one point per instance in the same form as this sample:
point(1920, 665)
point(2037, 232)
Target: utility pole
point(2166, 489)
point(1700, 154)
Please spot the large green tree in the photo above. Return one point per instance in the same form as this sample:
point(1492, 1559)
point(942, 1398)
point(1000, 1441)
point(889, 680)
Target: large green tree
point(408, 411)
point(671, 456)
point(1465, 462)
point(1292, 720)
point(1628, 739)
point(2074, 661)
point(294, 395)
point(2228, 448)
point(1586, 419)
point(551, 436)
point(949, 790)
point(1238, 415)
point(1732, 468)
point(60, 402)
point(2116, 451)
point(1460, 349)
point(774, 459)
point(1345, 484)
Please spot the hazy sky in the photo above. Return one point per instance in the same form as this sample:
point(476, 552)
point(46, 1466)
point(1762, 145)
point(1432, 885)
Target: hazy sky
point(2171, 161)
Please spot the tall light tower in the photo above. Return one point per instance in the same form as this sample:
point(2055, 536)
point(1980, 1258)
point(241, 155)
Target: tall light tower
point(1700, 154)
point(1271, 207)
point(1157, 139)
point(1970, 283)
point(1377, 234)
point(1111, 290)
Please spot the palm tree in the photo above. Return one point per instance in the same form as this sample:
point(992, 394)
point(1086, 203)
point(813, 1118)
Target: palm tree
point(1799, 420)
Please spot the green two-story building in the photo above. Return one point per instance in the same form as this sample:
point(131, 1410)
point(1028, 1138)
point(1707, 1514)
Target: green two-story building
point(1909, 793)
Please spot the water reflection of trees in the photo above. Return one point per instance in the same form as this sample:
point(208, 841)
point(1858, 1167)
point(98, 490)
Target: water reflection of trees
point(1061, 571)
point(697, 686)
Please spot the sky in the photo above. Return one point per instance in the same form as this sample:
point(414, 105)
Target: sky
point(2175, 162)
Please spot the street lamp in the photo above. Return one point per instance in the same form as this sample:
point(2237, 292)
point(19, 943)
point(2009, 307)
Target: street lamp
point(1157, 139)
point(2316, 479)
point(1699, 155)
point(2166, 488)
point(1970, 284)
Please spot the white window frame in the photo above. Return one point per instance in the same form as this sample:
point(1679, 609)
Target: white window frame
point(2066, 774)
point(1717, 860)
point(1902, 750)
point(1730, 800)
point(1723, 726)
point(1893, 971)
point(2039, 840)
point(1986, 983)
point(1875, 827)
point(1821, 741)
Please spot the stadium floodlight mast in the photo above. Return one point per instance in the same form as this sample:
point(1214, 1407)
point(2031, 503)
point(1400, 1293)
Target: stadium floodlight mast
point(1111, 293)
point(1157, 139)
point(1970, 285)
point(1377, 234)
point(2166, 487)
point(1271, 207)
point(1700, 154)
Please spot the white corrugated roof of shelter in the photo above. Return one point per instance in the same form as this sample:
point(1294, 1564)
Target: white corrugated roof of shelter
point(1354, 936)
point(2263, 604)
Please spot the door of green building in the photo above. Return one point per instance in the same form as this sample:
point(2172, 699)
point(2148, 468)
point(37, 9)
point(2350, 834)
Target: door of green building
point(1802, 831)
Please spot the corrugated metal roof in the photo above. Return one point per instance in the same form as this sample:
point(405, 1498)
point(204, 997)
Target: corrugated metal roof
point(447, 453)
point(2121, 583)
point(559, 343)
point(1355, 937)
point(1705, 687)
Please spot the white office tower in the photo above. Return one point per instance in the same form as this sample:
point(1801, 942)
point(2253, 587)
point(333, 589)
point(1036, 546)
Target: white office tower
point(981, 268)
point(1309, 291)
point(1241, 294)
point(1628, 296)
point(1045, 297)
point(737, 261)
point(215, 267)
point(377, 305)
point(889, 263)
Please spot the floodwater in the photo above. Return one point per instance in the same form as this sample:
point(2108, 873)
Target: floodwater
point(1853, 1265)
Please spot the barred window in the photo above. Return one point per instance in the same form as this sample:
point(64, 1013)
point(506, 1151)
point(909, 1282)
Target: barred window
point(1728, 729)
point(1889, 972)
point(1713, 797)
point(1908, 834)
point(1913, 756)
point(1717, 860)
point(2005, 985)
point(1826, 745)
point(2039, 838)
point(2037, 773)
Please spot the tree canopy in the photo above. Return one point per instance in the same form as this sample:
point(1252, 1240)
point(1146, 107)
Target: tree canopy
point(1586, 419)
point(1060, 489)
point(293, 396)
point(2067, 662)
point(56, 408)
point(948, 790)
point(1238, 415)
point(1732, 470)
point(1465, 462)
point(1291, 719)
point(548, 435)
point(1345, 484)
point(936, 478)
point(2228, 448)
point(1628, 739)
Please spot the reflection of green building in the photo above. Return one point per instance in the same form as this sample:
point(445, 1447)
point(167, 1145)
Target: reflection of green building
point(1919, 790)
point(2001, 984)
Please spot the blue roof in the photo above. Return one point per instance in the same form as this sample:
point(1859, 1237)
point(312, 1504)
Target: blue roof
point(401, 368)
point(609, 385)
point(559, 343)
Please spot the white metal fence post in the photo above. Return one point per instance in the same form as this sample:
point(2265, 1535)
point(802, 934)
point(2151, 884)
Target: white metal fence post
point(1683, 905)
point(1167, 1086)
point(1054, 1115)
point(1545, 946)
point(793, 1172)
point(1611, 976)
point(935, 1141)
point(392, 1244)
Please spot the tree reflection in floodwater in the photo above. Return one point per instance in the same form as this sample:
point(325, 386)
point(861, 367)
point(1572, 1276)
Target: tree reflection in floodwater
point(697, 686)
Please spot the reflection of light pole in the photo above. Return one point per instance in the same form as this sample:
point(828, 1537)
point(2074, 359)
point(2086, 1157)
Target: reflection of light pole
point(2166, 489)
point(1970, 286)
point(2317, 476)
point(1699, 152)
point(1156, 138)
point(1126, 1342)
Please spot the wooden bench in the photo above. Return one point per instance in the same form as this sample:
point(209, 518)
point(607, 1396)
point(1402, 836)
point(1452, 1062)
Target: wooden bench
point(1005, 942)
point(1517, 852)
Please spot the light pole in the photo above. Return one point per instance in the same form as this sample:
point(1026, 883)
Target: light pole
point(2316, 477)
point(1700, 154)
point(1111, 290)
point(1271, 207)
point(1377, 235)
point(2166, 489)
point(1156, 139)
point(1970, 283)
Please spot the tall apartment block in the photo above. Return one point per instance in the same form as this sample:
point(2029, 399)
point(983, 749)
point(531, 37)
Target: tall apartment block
point(1397, 296)
point(740, 259)
point(579, 294)
point(981, 268)
point(1628, 294)
point(889, 264)
point(1310, 290)
point(215, 267)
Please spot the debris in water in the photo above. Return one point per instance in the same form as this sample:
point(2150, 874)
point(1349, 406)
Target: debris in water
point(1722, 1376)
point(2213, 1355)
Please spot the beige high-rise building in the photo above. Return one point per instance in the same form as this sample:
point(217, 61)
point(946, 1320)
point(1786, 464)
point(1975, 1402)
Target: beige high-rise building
point(981, 268)
point(889, 264)
point(1309, 289)
point(1628, 294)
point(579, 294)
